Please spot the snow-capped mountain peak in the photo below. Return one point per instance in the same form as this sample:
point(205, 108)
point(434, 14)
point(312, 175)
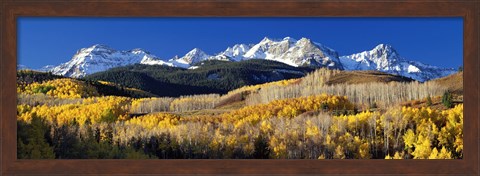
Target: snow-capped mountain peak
point(196, 50)
point(101, 57)
point(237, 49)
point(266, 40)
point(307, 52)
point(387, 50)
point(294, 52)
point(235, 53)
point(289, 39)
point(385, 58)
point(194, 56)
point(304, 40)
point(96, 48)
point(384, 48)
point(304, 51)
point(139, 51)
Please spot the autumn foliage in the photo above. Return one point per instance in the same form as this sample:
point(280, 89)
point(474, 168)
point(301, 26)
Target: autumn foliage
point(66, 118)
point(61, 88)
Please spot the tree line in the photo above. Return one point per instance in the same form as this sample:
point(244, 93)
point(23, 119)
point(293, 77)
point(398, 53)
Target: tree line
point(365, 94)
point(298, 128)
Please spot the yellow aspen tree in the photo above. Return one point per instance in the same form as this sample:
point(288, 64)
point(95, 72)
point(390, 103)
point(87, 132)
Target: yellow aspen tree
point(444, 154)
point(339, 153)
point(422, 148)
point(398, 155)
point(434, 154)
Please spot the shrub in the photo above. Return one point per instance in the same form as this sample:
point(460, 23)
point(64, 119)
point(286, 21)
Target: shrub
point(447, 99)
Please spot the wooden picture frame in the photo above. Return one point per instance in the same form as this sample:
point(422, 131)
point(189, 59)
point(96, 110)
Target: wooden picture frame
point(11, 10)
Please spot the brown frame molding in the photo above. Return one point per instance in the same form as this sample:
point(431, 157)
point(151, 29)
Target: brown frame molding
point(10, 10)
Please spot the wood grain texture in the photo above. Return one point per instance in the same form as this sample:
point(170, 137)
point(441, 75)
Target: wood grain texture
point(2, 23)
point(11, 10)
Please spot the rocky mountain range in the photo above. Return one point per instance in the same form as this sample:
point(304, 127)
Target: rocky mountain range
point(386, 59)
point(302, 52)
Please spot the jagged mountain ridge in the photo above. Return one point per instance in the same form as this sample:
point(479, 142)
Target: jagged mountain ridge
point(303, 52)
point(100, 58)
point(295, 52)
point(386, 59)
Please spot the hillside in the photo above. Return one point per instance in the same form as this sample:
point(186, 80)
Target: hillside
point(27, 77)
point(208, 77)
point(453, 82)
point(358, 77)
point(285, 119)
point(30, 76)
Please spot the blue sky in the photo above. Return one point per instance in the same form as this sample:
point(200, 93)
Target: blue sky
point(51, 41)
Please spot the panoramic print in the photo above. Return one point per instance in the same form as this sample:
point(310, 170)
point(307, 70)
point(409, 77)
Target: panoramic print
point(240, 88)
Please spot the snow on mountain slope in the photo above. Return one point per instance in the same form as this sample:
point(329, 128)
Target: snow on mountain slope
point(306, 52)
point(261, 50)
point(234, 53)
point(152, 61)
point(46, 68)
point(303, 52)
point(295, 52)
point(100, 58)
point(194, 56)
point(386, 59)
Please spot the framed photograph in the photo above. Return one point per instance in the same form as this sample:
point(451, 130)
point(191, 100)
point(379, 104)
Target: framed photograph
point(256, 87)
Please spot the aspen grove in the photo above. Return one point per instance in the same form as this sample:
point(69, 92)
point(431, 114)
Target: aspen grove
point(303, 118)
